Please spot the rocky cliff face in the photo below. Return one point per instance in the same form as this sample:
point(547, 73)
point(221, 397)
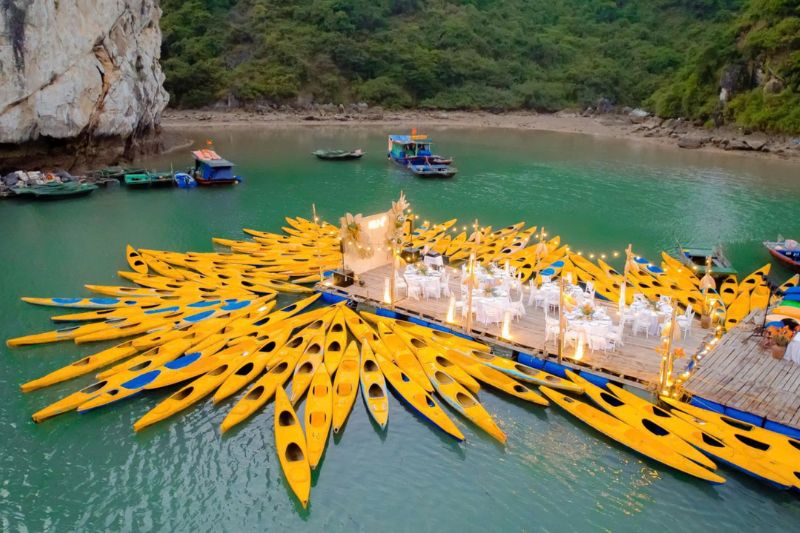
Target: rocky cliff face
point(79, 73)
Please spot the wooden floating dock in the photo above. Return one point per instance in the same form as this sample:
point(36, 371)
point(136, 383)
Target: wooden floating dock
point(739, 374)
point(636, 363)
point(736, 374)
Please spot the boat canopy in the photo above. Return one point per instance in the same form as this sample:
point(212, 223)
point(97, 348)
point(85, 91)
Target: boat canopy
point(404, 146)
point(410, 139)
point(211, 158)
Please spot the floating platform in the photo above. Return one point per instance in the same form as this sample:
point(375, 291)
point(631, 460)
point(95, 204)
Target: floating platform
point(636, 363)
point(744, 381)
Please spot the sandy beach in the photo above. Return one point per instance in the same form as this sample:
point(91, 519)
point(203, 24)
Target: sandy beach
point(673, 133)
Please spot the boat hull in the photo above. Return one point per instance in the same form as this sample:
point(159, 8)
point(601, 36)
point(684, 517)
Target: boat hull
point(786, 261)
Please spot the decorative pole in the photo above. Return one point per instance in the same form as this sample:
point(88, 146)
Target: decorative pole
point(471, 275)
point(707, 282)
point(316, 241)
point(561, 324)
point(667, 360)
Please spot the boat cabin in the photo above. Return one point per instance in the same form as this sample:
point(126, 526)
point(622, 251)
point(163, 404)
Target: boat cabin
point(404, 147)
point(210, 168)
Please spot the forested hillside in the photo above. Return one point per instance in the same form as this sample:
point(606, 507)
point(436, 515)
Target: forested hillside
point(671, 56)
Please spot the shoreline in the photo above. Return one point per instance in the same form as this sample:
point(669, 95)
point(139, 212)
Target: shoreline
point(675, 133)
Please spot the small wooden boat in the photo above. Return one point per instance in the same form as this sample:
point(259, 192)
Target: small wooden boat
point(141, 180)
point(413, 152)
point(432, 170)
point(787, 251)
point(54, 191)
point(339, 155)
point(211, 169)
point(695, 258)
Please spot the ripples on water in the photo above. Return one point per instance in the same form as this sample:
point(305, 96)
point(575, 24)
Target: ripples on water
point(92, 472)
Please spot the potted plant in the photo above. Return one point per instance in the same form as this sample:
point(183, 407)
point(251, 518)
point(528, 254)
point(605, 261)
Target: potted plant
point(781, 337)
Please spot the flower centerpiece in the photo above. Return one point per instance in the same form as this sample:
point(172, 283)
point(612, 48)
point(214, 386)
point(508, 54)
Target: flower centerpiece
point(422, 269)
point(780, 337)
point(587, 310)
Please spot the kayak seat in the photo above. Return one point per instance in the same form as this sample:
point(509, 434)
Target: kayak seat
point(375, 391)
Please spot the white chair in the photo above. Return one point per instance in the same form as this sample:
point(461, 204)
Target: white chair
point(518, 307)
point(642, 323)
point(431, 288)
point(685, 321)
point(639, 298)
point(597, 338)
point(400, 285)
point(552, 302)
point(551, 329)
point(614, 338)
point(665, 300)
point(444, 285)
point(572, 337)
point(414, 289)
point(489, 314)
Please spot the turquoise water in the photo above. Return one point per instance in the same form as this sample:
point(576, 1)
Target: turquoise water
point(79, 472)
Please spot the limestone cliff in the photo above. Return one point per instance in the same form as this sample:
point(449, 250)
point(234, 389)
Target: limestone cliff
point(79, 73)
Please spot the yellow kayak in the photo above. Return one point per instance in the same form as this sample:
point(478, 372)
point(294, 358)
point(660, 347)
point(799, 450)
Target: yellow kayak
point(778, 294)
point(291, 446)
point(428, 352)
point(251, 366)
point(186, 396)
point(82, 366)
point(124, 383)
point(263, 389)
point(145, 375)
point(62, 334)
point(460, 399)
point(318, 415)
point(725, 452)
point(345, 386)
point(762, 443)
point(756, 278)
point(373, 386)
point(648, 425)
point(728, 290)
point(496, 379)
point(198, 363)
point(335, 342)
point(759, 298)
point(416, 397)
point(629, 436)
point(135, 260)
point(737, 310)
point(524, 373)
point(434, 335)
point(359, 327)
point(307, 367)
point(401, 354)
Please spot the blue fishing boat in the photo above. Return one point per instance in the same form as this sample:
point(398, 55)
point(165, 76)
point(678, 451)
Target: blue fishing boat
point(211, 169)
point(413, 152)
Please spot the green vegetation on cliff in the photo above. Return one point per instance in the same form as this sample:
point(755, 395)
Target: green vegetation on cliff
point(668, 55)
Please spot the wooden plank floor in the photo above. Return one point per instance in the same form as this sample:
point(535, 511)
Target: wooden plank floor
point(637, 362)
point(741, 375)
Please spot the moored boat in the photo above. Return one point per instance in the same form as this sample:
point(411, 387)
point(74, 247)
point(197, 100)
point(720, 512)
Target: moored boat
point(339, 155)
point(786, 251)
point(695, 259)
point(413, 152)
point(211, 169)
point(54, 191)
